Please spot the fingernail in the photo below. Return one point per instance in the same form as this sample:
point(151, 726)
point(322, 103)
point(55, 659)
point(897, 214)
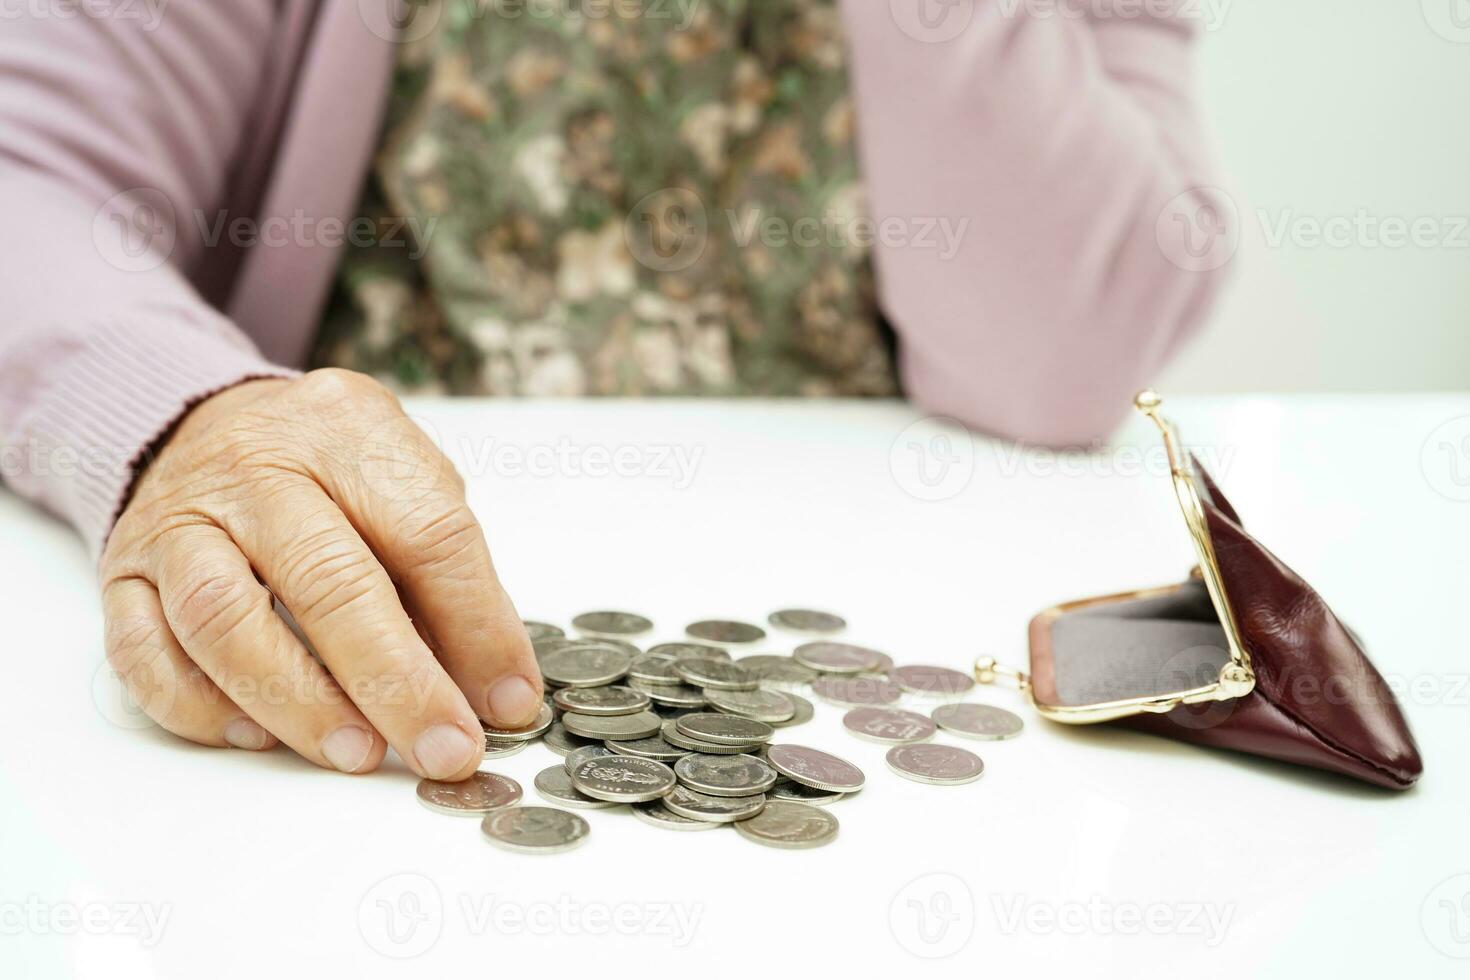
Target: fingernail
point(243, 733)
point(513, 702)
point(347, 748)
point(444, 750)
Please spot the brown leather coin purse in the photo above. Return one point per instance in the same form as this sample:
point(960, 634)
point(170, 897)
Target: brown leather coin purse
point(1242, 655)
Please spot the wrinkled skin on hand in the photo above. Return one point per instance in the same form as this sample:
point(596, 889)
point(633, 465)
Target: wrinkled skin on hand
point(321, 493)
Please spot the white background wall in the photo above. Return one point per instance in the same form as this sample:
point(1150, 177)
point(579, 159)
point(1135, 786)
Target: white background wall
point(1324, 109)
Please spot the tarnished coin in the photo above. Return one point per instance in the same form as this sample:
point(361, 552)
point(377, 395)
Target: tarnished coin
point(805, 711)
point(501, 735)
point(931, 682)
point(540, 631)
point(773, 670)
point(671, 734)
point(618, 728)
point(794, 792)
point(766, 706)
point(578, 756)
point(716, 809)
point(654, 668)
point(888, 725)
point(623, 779)
point(815, 768)
point(807, 621)
point(708, 726)
point(717, 674)
point(830, 657)
point(534, 829)
point(790, 825)
point(590, 665)
point(601, 700)
point(856, 691)
point(554, 784)
point(979, 721)
point(561, 741)
point(725, 775)
point(724, 631)
point(690, 651)
point(942, 765)
point(676, 695)
point(481, 793)
point(653, 747)
point(656, 813)
point(499, 750)
point(612, 623)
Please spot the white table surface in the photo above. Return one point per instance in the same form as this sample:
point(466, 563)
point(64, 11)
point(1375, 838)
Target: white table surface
point(1097, 852)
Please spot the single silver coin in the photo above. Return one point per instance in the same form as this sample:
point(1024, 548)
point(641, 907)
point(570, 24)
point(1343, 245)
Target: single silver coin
point(481, 793)
point(654, 812)
point(614, 700)
point(784, 824)
point(543, 721)
point(942, 765)
point(717, 674)
point(723, 631)
point(542, 645)
point(708, 726)
point(807, 621)
point(612, 623)
point(500, 750)
point(857, 691)
point(653, 747)
point(716, 809)
point(773, 670)
point(616, 728)
point(984, 722)
point(805, 711)
point(830, 657)
point(671, 734)
point(815, 768)
point(654, 668)
point(578, 756)
point(540, 631)
point(534, 829)
point(561, 741)
point(623, 779)
point(690, 651)
point(766, 706)
point(725, 775)
point(676, 695)
point(932, 682)
point(794, 792)
point(585, 666)
point(891, 726)
point(554, 784)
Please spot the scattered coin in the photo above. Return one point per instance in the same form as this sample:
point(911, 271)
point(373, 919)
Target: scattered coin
point(725, 775)
point(540, 631)
point(534, 829)
point(612, 623)
point(856, 691)
point(653, 747)
point(499, 750)
point(830, 657)
point(676, 695)
point(601, 700)
point(561, 741)
point(932, 682)
point(671, 734)
point(690, 651)
point(481, 793)
point(716, 809)
point(807, 621)
point(591, 665)
point(805, 711)
point(979, 721)
point(795, 792)
point(773, 670)
point(790, 825)
point(578, 756)
point(612, 727)
point(889, 725)
point(724, 729)
point(623, 779)
point(656, 813)
point(654, 668)
point(725, 631)
point(502, 735)
point(716, 674)
point(554, 784)
point(766, 706)
point(933, 763)
point(812, 767)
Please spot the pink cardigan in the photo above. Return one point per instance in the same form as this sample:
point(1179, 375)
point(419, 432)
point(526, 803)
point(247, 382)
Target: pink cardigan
point(1067, 141)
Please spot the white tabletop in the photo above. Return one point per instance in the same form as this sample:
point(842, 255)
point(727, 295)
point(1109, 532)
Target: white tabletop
point(124, 852)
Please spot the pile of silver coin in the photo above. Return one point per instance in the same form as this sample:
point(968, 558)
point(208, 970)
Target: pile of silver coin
point(683, 733)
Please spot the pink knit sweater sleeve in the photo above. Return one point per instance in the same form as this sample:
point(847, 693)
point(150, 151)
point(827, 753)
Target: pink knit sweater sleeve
point(116, 133)
point(1065, 135)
